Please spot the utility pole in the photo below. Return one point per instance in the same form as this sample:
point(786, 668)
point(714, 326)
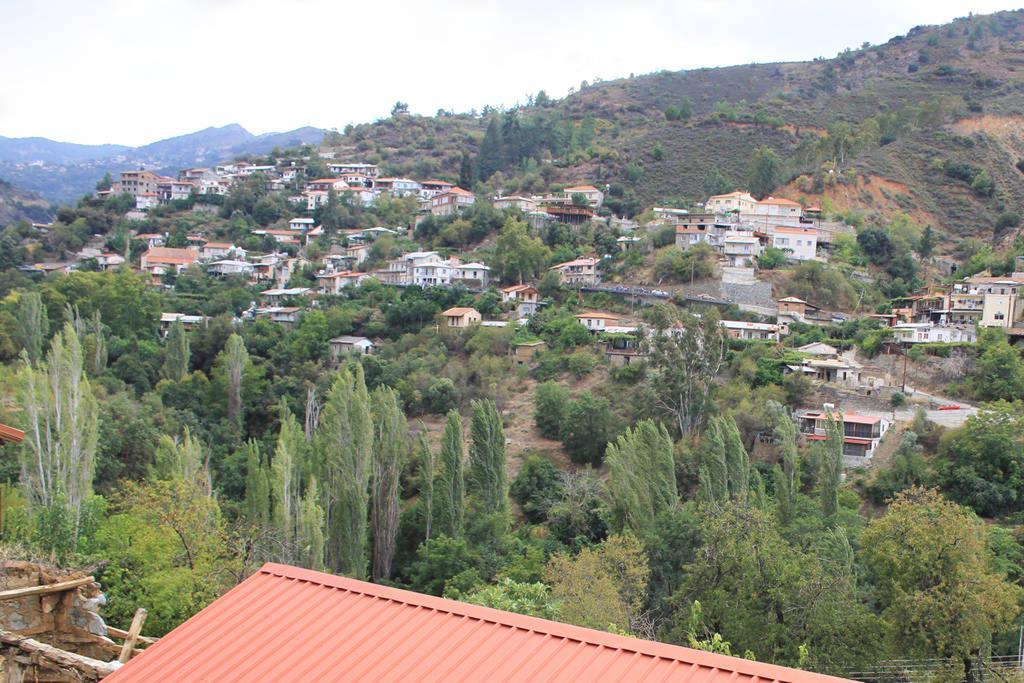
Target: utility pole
point(904, 387)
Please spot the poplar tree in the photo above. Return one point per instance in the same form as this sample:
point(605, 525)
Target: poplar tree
point(449, 490)
point(344, 446)
point(310, 540)
point(286, 476)
point(736, 459)
point(176, 353)
point(61, 418)
point(714, 470)
point(33, 325)
point(97, 345)
point(831, 466)
point(787, 477)
point(426, 462)
point(257, 486)
point(641, 476)
point(391, 446)
point(182, 458)
point(488, 477)
point(236, 358)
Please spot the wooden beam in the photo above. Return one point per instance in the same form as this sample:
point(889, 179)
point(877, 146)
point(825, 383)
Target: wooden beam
point(121, 633)
point(58, 657)
point(133, 633)
point(46, 589)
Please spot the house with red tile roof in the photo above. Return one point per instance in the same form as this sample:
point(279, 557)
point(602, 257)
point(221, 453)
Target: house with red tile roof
point(286, 624)
point(861, 433)
point(593, 195)
point(461, 317)
point(800, 244)
point(160, 260)
point(581, 271)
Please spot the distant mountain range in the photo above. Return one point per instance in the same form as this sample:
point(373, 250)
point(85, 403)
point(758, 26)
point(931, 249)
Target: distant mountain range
point(62, 172)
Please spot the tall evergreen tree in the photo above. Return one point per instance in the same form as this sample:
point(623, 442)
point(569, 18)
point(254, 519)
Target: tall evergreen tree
point(344, 446)
point(391, 447)
point(488, 476)
point(33, 325)
point(467, 172)
point(176, 353)
point(491, 156)
point(449, 489)
point(641, 476)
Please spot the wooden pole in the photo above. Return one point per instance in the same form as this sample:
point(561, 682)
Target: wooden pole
point(45, 589)
point(133, 634)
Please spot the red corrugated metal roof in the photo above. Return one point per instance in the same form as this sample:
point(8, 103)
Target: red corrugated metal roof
point(10, 434)
point(288, 624)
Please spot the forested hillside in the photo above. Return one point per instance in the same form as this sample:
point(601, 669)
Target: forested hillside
point(927, 124)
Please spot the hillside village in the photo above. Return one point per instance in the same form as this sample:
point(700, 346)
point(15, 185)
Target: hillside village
point(508, 386)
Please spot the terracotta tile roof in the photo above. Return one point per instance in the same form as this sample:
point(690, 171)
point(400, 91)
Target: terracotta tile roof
point(795, 231)
point(287, 624)
point(458, 311)
point(10, 434)
point(171, 255)
point(598, 315)
point(581, 188)
point(779, 201)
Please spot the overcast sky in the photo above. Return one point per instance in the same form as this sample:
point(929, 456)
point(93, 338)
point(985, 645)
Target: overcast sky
point(135, 71)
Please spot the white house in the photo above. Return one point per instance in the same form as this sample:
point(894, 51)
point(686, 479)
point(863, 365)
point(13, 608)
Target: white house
point(740, 248)
point(301, 224)
point(593, 195)
point(347, 344)
point(230, 267)
point(597, 321)
point(923, 333)
point(739, 329)
point(739, 200)
point(334, 283)
point(800, 244)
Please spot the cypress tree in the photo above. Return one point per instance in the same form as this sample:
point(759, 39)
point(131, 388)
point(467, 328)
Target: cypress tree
point(449, 489)
point(176, 353)
point(467, 174)
point(491, 155)
point(488, 477)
